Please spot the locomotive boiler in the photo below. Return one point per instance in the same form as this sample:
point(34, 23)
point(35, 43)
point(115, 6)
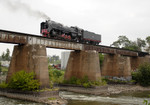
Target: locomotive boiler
point(52, 29)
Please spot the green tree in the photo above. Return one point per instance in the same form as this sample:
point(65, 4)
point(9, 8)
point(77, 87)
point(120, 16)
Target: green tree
point(148, 42)
point(48, 60)
point(124, 42)
point(54, 60)
point(101, 59)
point(142, 75)
point(141, 43)
point(3, 56)
point(132, 46)
point(0, 67)
point(7, 55)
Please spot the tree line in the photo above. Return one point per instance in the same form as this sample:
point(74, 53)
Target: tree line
point(138, 45)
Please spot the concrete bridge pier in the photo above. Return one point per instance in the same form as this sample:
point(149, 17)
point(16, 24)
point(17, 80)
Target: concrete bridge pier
point(137, 61)
point(83, 63)
point(30, 58)
point(115, 65)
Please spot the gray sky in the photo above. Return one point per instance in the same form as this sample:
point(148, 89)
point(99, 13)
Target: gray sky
point(110, 18)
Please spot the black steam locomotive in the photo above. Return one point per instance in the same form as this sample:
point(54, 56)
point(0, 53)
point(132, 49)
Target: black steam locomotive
point(55, 30)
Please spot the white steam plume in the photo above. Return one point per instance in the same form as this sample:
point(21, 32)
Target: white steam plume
point(15, 5)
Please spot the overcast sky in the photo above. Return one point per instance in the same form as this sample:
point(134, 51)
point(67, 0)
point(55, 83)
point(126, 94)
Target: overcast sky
point(110, 18)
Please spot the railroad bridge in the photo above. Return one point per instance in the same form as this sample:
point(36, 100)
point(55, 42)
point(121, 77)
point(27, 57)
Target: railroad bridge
point(30, 55)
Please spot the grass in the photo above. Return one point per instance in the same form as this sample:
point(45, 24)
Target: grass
point(85, 82)
point(47, 89)
point(4, 69)
point(52, 98)
point(3, 85)
point(56, 76)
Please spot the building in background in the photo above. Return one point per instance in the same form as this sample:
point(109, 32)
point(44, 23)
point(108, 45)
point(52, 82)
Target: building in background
point(5, 63)
point(64, 59)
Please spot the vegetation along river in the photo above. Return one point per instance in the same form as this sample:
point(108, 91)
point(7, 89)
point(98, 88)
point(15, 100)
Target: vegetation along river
point(130, 98)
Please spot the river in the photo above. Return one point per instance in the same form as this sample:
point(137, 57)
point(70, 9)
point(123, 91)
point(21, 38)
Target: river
point(131, 98)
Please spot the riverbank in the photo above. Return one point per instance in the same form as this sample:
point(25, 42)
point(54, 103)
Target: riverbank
point(46, 97)
point(53, 98)
point(104, 90)
point(116, 89)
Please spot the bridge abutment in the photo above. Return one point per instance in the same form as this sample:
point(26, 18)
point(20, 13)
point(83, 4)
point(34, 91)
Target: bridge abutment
point(83, 63)
point(115, 65)
point(30, 58)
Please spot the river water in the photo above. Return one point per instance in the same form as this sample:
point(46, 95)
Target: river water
point(131, 98)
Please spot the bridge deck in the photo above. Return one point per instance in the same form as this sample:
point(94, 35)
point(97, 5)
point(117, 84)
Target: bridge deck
point(23, 38)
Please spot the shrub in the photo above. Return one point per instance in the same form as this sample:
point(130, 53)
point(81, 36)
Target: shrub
point(73, 80)
point(56, 76)
point(85, 82)
point(3, 85)
point(24, 81)
point(85, 79)
point(142, 76)
point(78, 82)
point(50, 67)
point(134, 75)
point(101, 59)
point(57, 73)
point(86, 85)
point(51, 84)
point(146, 102)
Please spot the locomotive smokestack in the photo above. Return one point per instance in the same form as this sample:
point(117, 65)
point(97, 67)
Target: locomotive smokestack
point(48, 20)
point(15, 5)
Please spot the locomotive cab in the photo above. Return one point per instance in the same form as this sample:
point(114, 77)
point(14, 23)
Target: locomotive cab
point(44, 28)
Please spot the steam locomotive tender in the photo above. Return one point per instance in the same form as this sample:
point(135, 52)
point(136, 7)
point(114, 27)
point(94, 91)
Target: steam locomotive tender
point(55, 30)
